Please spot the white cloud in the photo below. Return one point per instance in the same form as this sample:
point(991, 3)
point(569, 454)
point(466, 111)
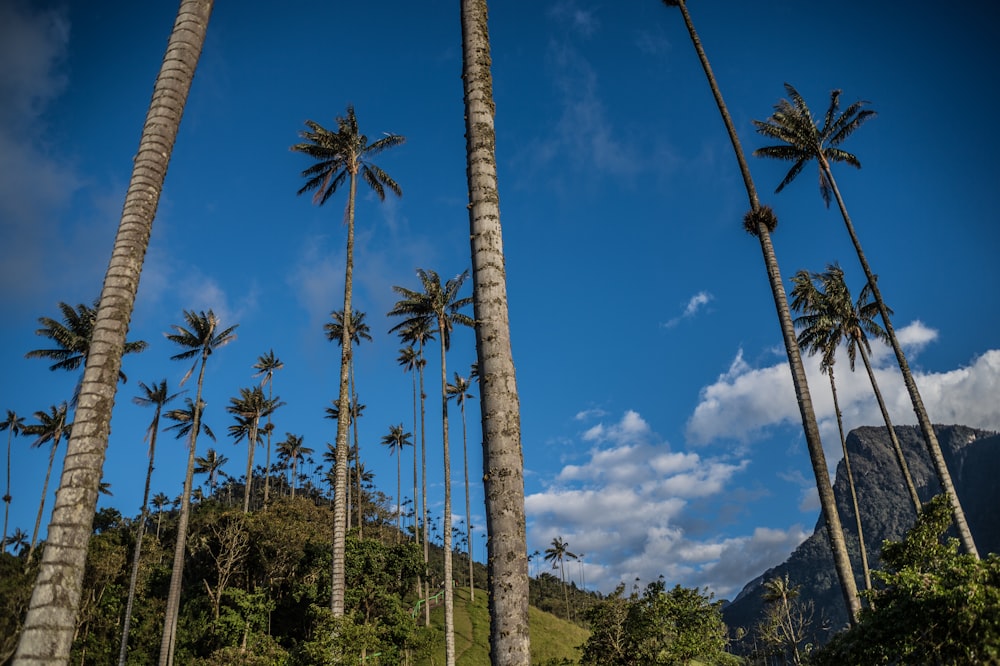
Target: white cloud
point(628, 505)
point(694, 305)
point(915, 337)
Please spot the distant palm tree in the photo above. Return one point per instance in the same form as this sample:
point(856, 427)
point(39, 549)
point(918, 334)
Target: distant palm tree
point(333, 413)
point(51, 621)
point(500, 413)
point(202, 336)
point(159, 501)
point(342, 156)
point(780, 592)
point(50, 428)
point(802, 141)
point(14, 425)
point(211, 463)
point(558, 553)
point(409, 359)
point(760, 222)
point(156, 396)
point(266, 366)
point(249, 408)
point(292, 450)
point(822, 329)
point(19, 542)
point(396, 441)
point(440, 303)
point(459, 390)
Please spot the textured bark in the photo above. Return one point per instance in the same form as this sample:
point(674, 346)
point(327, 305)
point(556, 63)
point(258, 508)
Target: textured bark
point(817, 458)
point(503, 462)
point(897, 449)
point(930, 438)
point(51, 620)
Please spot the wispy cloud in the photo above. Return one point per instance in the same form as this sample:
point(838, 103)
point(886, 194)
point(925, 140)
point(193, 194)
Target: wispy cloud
point(694, 305)
point(630, 506)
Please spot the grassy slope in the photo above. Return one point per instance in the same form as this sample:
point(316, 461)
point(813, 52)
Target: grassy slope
point(551, 637)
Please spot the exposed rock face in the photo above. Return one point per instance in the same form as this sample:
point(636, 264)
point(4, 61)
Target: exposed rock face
point(973, 458)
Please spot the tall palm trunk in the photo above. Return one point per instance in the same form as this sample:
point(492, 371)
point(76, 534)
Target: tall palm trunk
point(45, 492)
point(338, 571)
point(251, 445)
point(897, 449)
point(51, 619)
point(423, 483)
point(6, 495)
point(761, 221)
point(850, 481)
point(169, 639)
point(140, 532)
point(503, 462)
point(267, 455)
point(468, 505)
point(449, 591)
point(926, 428)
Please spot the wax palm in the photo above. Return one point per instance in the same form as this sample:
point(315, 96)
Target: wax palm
point(340, 156)
point(159, 501)
point(557, 554)
point(249, 408)
point(266, 366)
point(19, 542)
point(51, 621)
point(202, 336)
point(357, 330)
point(459, 391)
point(292, 450)
point(858, 323)
point(801, 140)
point(409, 360)
point(501, 418)
point(211, 463)
point(396, 441)
point(14, 425)
point(50, 428)
point(760, 222)
point(822, 329)
point(440, 303)
point(154, 395)
point(356, 411)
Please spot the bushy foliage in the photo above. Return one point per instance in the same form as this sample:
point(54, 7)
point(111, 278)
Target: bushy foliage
point(657, 627)
point(934, 605)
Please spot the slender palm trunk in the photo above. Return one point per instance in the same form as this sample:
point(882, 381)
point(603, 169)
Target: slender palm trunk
point(416, 531)
point(850, 481)
point(503, 462)
point(50, 623)
point(45, 492)
point(169, 638)
point(338, 570)
point(267, 456)
point(423, 483)
point(449, 591)
point(399, 492)
point(817, 458)
point(251, 445)
point(6, 494)
point(357, 456)
point(140, 533)
point(930, 438)
point(897, 449)
point(468, 504)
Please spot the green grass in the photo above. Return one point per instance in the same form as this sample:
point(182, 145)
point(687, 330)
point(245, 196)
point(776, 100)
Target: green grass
point(551, 637)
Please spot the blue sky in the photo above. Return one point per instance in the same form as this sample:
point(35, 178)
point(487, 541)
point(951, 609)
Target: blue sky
point(659, 426)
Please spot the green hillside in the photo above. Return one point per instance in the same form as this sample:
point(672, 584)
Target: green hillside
point(552, 639)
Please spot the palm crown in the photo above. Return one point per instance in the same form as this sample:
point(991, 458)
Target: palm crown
point(438, 302)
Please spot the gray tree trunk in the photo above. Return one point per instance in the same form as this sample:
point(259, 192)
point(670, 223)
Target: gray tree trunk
point(51, 620)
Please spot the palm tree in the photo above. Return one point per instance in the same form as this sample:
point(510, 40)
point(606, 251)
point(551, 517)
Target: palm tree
point(409, 359)
point(249, 408)
point(802, 141)
point(200, 339)
point(358, 330)
point(343, 155)
point(19, 542)
point(780, 592)
point(50, 428)
point(156, 396)
point(211, 463)
point(14, 425)
point(500, 408)
point(441, 304)
point(51, 620)
point(459, 390)
point(823, 326)
point(333, 412)
point(396, 441)
point(558, 553)
point(760, 221)
point(159, 501)
point(292, 449)
point(266, 366)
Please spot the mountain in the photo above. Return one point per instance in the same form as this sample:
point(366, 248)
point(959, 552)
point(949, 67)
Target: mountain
point(973, 458)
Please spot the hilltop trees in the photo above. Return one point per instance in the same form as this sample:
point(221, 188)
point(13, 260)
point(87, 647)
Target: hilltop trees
point(340, 156)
